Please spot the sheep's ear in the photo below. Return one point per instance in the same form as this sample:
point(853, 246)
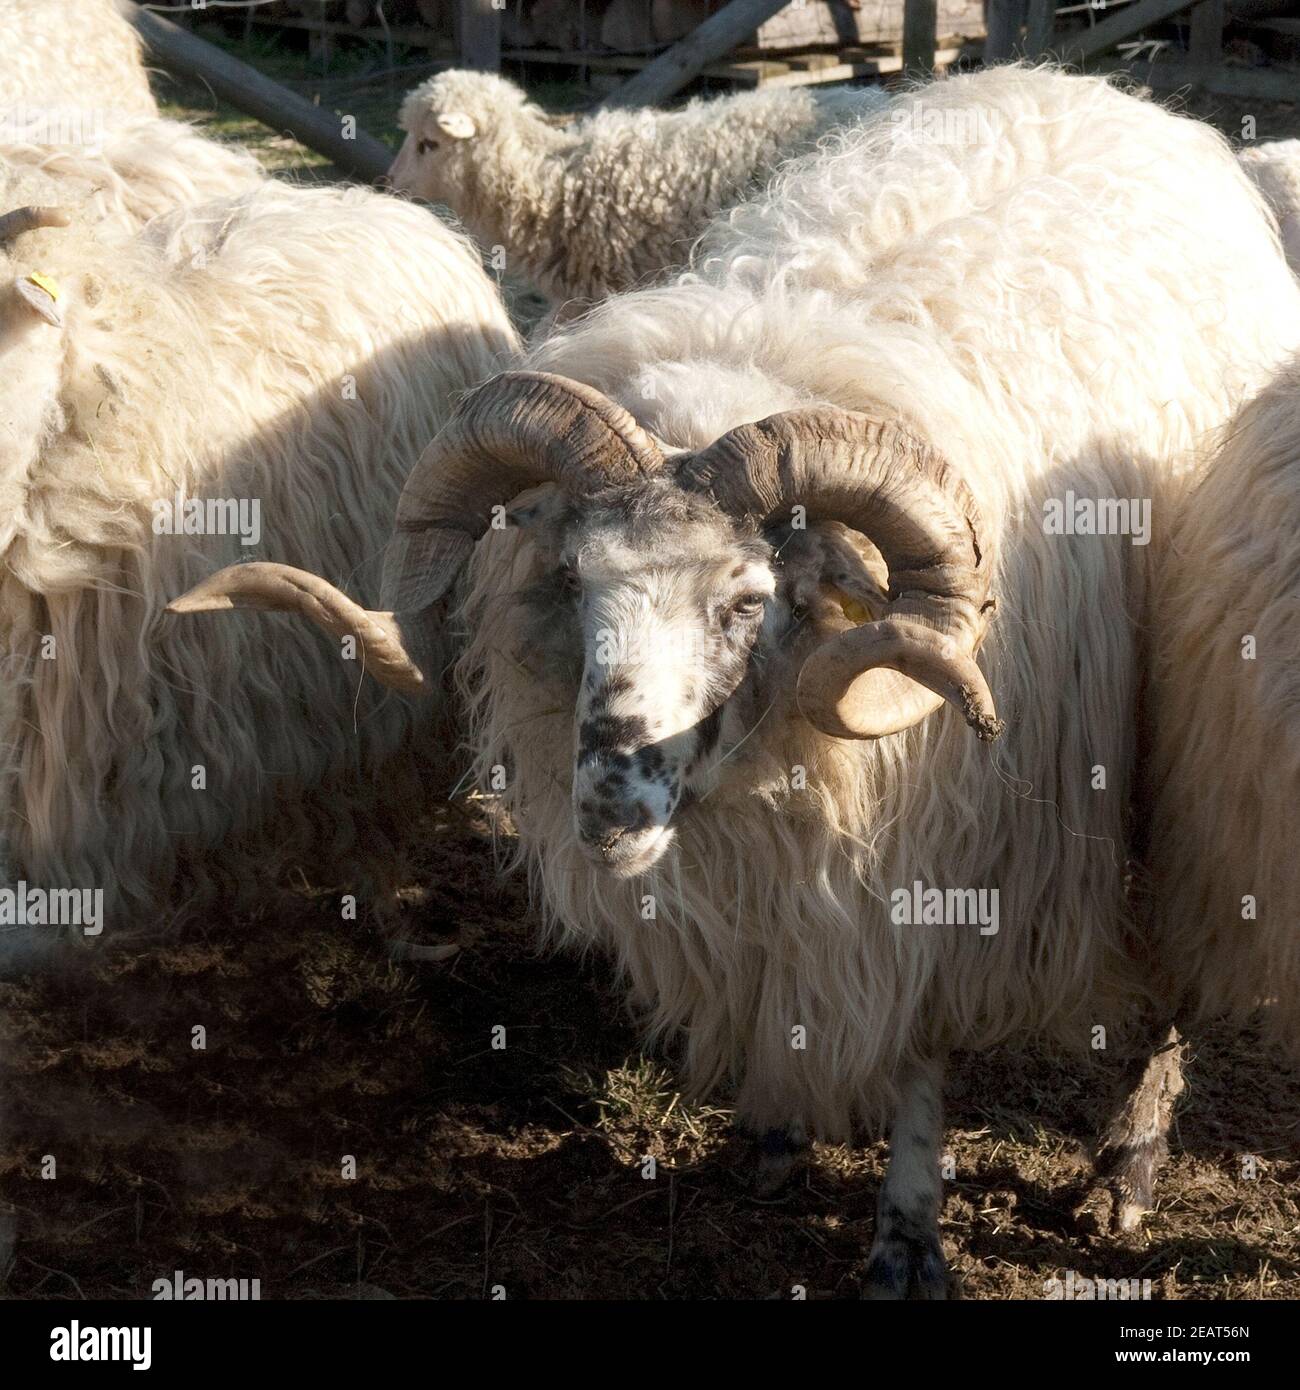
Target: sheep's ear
point(41, 295)
point(543, 503)
point(839, 565)
point(457, 124)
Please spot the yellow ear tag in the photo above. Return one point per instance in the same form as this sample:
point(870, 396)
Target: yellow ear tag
point(854, 611)
point(46, 283)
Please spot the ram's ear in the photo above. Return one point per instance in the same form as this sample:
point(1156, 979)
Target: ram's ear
point(41, 295)
point(536, 507)
point(457, 124)
point(837, 565)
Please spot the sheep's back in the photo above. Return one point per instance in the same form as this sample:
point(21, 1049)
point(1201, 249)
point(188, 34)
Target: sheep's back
point(71, 54)
point(1224, 726)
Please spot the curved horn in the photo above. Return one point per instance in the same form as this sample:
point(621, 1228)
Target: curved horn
point(283, 589)
point(30, 219)
point(866, 682)
point(513, 432)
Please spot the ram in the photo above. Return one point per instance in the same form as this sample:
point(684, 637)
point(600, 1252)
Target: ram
point(588, 209)
point(740, 743)
point(163, 412)
point(71, 56)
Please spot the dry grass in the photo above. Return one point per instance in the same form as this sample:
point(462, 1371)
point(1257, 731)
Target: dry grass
point(526, 1166)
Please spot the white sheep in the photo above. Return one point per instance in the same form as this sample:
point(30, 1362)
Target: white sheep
point(613, 200)
point(1225, 727)
point(71, 56)
point(128, 169)
point(1275, 167)
point(774, 814)
point(250, 377)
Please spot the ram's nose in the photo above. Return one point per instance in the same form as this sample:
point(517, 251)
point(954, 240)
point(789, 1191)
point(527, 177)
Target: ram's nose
point(624, 838)
point(603, 828)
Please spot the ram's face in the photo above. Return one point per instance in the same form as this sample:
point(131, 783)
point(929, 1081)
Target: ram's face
point(664, 605)
point(673, 623)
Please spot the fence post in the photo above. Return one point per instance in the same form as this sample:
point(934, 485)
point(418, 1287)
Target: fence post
point(480, 35)
point(1206, 42)
point(920, 36)
point(1040, 22)
point(1003, 19)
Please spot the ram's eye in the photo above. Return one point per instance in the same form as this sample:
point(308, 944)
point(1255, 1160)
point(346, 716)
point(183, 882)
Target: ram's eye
point(568, 580)
point(425, 146)
point(746, 606)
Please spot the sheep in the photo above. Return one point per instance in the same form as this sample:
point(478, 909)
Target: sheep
point(595, 207)
point(136, 167)
point(1275, 167)
point(1221, 768)
point(1225, 727)
point(71, 55)
point(252, 375)
point(735, 748)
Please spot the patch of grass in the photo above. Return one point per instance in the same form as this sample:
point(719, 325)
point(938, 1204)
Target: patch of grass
point(639, 1105)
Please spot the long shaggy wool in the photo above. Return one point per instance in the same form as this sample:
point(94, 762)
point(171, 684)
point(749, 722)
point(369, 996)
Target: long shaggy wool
point(1073, 296)
point(615, 199)
point(134, 167)
point(304, 360)
point(71, 54)
point(1275, 167)
point(1224, 718)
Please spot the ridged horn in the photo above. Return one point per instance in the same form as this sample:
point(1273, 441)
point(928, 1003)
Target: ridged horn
point(31, 219)
point(515, 431)
point(512, 433)
point(283, 589)
point(875, 477)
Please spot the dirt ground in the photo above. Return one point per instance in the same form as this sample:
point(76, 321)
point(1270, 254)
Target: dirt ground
point(523, 1168)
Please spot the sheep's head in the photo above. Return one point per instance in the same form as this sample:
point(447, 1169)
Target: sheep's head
point(673, 589)
point(446, 121)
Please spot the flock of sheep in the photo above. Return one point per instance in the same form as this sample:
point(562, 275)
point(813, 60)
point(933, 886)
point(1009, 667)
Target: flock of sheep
point(738, 582)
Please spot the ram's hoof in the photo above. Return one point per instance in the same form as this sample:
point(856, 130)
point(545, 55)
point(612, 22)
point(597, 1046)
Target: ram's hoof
point(776, 1157)
point(903, 1266)
point(1129, 1178)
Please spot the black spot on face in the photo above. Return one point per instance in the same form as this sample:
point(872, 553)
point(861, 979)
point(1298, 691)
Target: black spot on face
point(707, 733)
point(650, 761)
point(605, 735)
point(611, 690)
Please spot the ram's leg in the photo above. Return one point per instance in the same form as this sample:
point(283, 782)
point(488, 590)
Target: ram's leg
point(906, 1258)
point(1135, 1142)
point(777, 1153)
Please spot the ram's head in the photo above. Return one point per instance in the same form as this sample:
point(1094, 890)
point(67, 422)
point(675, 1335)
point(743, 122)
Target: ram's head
point(673, 583)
